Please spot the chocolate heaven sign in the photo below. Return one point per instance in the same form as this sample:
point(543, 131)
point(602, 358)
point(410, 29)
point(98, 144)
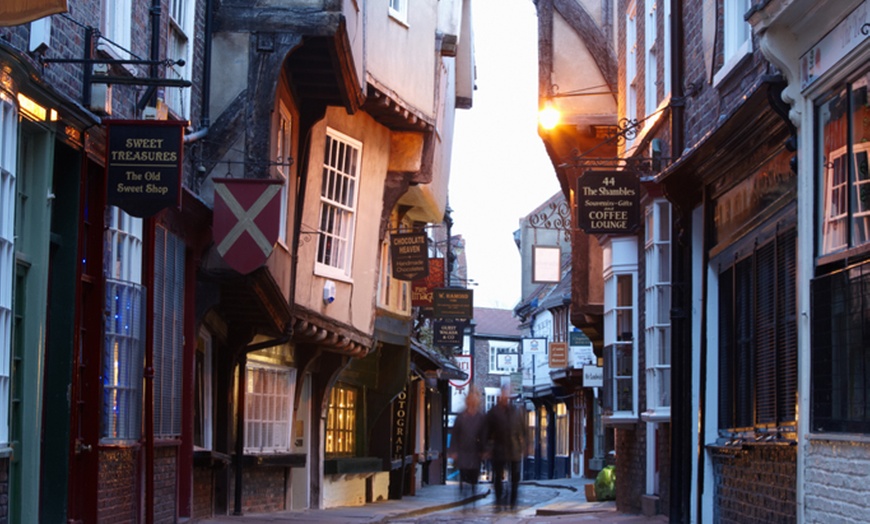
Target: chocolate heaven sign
point(143, 165)
point(409, 253)
point(608, 202)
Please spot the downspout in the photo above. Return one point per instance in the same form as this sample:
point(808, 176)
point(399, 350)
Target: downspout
point(681, 427)
point(242, 361)
point(204, 119)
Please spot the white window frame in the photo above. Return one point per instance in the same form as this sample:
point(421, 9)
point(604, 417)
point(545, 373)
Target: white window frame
point(283, 160)
point(269, 397)
point(116, 24)
point(737, 37)
point(620, 255)
point(631, 80)
point(657, 329)
point(398, 10)
point(501, 348)
point(204, 395)
point(124, 330)
point(651, 99)
point(393, 294)
point(180, 43)
point(337, 216)
point(8, 165)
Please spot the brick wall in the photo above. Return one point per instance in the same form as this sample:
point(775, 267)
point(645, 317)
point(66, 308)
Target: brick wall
point(203, 493)
point(4, 490)
point(837, 482)
point(118, 493)
point(630, 467)
point(264, 490)
point(165, 484)
point(755, 484)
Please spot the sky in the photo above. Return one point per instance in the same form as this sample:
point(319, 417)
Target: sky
point(500, 171)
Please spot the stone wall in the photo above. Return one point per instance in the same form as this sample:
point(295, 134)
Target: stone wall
point(837, 482)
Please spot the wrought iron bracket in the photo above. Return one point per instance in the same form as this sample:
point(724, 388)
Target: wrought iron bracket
point(556, 216)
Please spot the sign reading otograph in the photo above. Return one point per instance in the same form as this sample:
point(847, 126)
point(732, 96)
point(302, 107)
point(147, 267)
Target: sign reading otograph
point(143, 165)
point(409, 254)
point(608, 202)
point(247, 212)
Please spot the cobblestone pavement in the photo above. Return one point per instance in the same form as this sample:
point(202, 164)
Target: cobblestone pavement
point(551, 501)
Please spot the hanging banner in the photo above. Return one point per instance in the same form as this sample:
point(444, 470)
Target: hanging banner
point(247, 212)
point(608, 202)
point(409, 255)
point(453, 303)
point(17, 12)
point(143, 165)
point(423, 289)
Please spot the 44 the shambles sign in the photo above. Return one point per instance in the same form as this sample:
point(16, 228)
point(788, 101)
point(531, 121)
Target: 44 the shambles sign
point(144, 165)
point(608, 202)
point(409, 253)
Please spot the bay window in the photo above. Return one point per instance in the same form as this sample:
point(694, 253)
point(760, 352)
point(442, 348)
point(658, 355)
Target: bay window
point(269, 392)
point(658, 308)
point(620, 326)
point(341, 421)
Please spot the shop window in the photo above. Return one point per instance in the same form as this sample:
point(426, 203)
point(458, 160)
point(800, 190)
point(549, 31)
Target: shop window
point(841, 351)
point(8, 161)
point(123, 352)
point(532, 418)
point(338, 198)
point(341, 421)
point(758, 336)
point(203, 406)
point(620, 349)
point(168, 332)
point(544, 419)
point(269, 392)
point(562, 435)
point(658, 308)
point(843, 162)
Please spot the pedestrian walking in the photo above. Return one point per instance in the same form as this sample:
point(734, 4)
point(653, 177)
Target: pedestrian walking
point(467, 444)
point(506, 438)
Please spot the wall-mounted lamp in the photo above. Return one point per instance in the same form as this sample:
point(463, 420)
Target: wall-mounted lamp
point(548, 116)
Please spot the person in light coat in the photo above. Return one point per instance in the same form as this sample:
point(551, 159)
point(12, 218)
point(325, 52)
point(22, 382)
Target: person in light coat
point(467, 445)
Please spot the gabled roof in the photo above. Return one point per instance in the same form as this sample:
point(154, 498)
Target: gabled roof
point(496, 323)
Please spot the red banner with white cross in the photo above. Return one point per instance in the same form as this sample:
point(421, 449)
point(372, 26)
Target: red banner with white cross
point(247, 212)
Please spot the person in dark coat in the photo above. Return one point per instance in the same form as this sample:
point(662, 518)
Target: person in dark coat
point(467, 444)
point(506, 437)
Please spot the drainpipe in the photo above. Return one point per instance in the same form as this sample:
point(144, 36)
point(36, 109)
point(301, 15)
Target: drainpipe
point(242, 361)
point(204, 119)
point(681, 426)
